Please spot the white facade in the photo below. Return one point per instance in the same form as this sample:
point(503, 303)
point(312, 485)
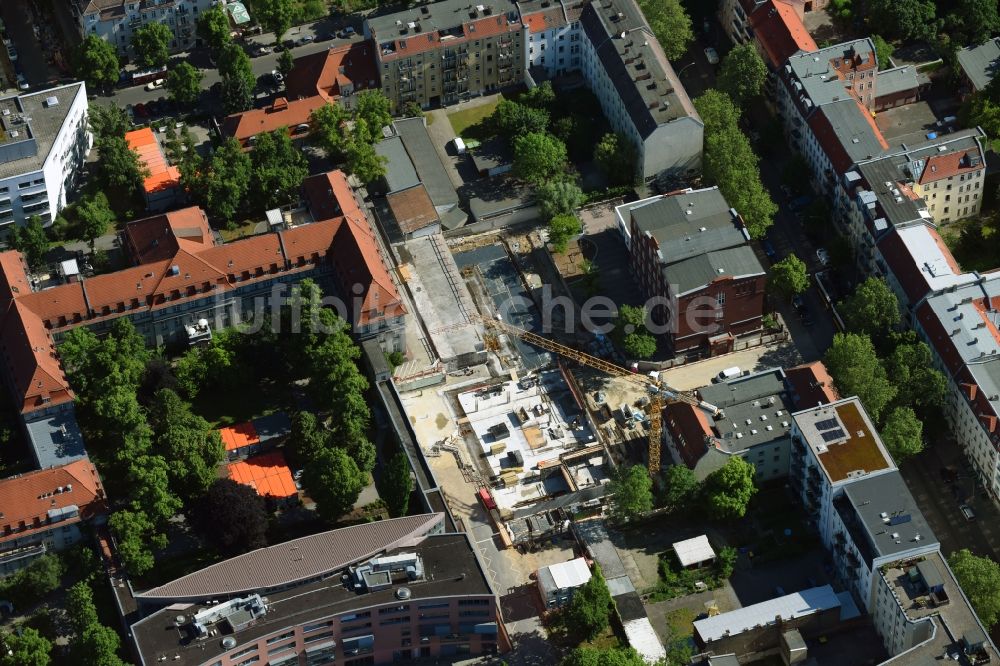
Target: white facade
point(118, 23)
point(557, 50)
point(36, 179)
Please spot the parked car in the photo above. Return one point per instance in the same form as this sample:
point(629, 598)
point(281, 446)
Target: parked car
point(304, 39)
point(967, 512)
point(346, 33)
point(158, 83)
point(278, 78)
point(712, 56)
point(822, 256)
point(798, 303)
point(22, 82)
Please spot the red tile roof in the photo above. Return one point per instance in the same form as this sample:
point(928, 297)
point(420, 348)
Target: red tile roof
point(162, 176)
point(281, 113)
point(160, 237)
point(27, 499)
point(268, 474)
point(688, 428)
point(332, 73)
point(811, 385)
point(780, 31)
point(13, 277)
point(412, 208)
point(544, 19)
point(948, 165)
point(32, 365)
point(482, 28)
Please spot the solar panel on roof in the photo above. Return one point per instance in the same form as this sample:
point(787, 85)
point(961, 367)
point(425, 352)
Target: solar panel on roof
point(826, 424)
point(833, 435)
point(899, 520)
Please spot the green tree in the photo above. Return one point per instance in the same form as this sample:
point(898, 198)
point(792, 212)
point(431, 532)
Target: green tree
point(308, 437)
point(151, 43)
point(373, 107)
point(907, 19)
point(96, 217)
point(561, 229)
point(742, 74)
point(789, 277)
point(334, 481)
point(275, 16)
point(729, 489)
point(184, 83)
point(717, 111)
point(558, 197)
point(856, 370)
point(883, 51)
point(903, 434)
point(225, 185)
point(328, 128)
point(29, 585)
point(631, 493)
point(681, 487)
point(918, 382)
point(28, 648)
point(397, 485)
point(232, 517)
point(31, 241)
point(872, 309)
point(148, 477)
point(841, 10)
point(96, 62)
point(411, 109)
point(725, 561)
point(213, 28)
point(188, 441)
point(238, 80)
point(542, 96)
point(286, 61)
point(980, 580)
point(136, 537)
point(363, 161)
point(670, 24)
point(98, 646)
point(278, 169)
point(976, 20)
point(512, 119)
point(590, 608)
point(631, 332)
point(107, 121)
point(80, 607)
point(983, 109)
point(120, 165)
point(538, 157)
point(615, 154)
point(591, 656)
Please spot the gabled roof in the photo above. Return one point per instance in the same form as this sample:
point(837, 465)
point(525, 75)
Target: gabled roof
point(160, 237)
point(297, 560)
point(161, 176)
point(920, 261)
point(979, 63)
point(847, 133)
point(811, 385)
point(281, 113)
point(780, 31)
point(335, 72)
point(32, 365)
point(951, 164)
point(689, 428)
point(30, 499)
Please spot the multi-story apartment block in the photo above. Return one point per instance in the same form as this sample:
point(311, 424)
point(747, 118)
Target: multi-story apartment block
point(116, 21)
point(44, 511)
point(554, 39)
point(369, 594)
point(639, 92)
point(690, 250)
point(754, 423)
point(774, 26)
point(444, 52)
point(43, 143)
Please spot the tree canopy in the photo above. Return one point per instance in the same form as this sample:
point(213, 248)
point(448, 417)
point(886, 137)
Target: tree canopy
point(729, 489)
point(96, 217)
point(28, 648)
point(334, 481)
point(238, 80)
point(96, 62)
point(188, 441)
point(631, 493)
point(980, 580)
point(213, 28)
point(152, 44)
point(856, 370)
point(558, 197)
point(223, 186)
point(561, 229)
point(513, 119)
point(592, 656)
point(277, 169)
point(906, 19)
point(27, 586)
point(590, 607)
point(184, 83)
point(275, 16)
point(918, 382)
point(232, 517)
point(538, 157)
point(789, 276)
point(742, 74)
point(883, 51)
point(902, 434)
point(107, 121)
point(120, 165)
point(397, 485)
point(670, 24)
point(681, 487)
point(30, 240)
point(373, 107)
point(631, 333)
point(872, 309)
point(616, 155)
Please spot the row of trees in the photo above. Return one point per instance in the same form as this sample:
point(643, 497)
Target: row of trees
point(860, 367)
point(724, 495)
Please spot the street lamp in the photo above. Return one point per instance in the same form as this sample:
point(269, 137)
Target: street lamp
point(684, 68)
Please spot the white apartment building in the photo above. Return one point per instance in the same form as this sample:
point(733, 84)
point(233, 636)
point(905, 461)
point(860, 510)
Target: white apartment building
point(45, 141)
point(554, 45)
point(117, 20)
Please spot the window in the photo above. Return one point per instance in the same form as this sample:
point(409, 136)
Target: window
point(318, 625)
point(720, 298)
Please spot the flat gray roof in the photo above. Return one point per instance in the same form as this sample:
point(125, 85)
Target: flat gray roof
point(56, 440)
point(423, 155)
point(882, 516)
point(755, 409)
point(852, 129)
point(898, 79)
point(980, 62)
point(44, 119)
point(400, 173)
point(815, 72)
point(443, 15)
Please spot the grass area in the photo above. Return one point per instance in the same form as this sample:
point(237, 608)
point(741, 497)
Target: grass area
point(241, 230)
point(470, 122)
point(679, 622)
point(973, 250)
point(603, 641)
point(221, 408)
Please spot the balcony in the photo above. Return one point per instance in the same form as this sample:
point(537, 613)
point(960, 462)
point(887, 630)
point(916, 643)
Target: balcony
point(23, 552)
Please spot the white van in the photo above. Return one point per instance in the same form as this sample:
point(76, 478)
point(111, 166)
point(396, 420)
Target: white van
point(728, 373)
point(459, 146)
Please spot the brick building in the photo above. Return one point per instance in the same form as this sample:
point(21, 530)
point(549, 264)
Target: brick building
point(691, 251)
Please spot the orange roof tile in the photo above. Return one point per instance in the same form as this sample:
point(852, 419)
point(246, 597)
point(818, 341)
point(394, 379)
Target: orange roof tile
point(162, 176)
point(32, 364)
point(13, 276)
point(334, 72)
point(947, 165)
point(27, 499)
point(546, 19)
point(281, 113)
point(780, 31)
point(267, 474)
point(159, 237)
point(239, 436)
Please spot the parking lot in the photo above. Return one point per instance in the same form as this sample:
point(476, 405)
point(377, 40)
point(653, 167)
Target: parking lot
point(907, 124)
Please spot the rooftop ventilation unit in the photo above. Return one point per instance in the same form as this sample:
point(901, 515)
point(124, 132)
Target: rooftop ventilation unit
point(52, 101)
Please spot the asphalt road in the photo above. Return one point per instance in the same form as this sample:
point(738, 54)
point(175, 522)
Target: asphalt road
point(31, 60)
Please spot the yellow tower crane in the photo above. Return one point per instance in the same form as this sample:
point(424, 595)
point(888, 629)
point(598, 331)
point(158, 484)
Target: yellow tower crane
point(660, 393)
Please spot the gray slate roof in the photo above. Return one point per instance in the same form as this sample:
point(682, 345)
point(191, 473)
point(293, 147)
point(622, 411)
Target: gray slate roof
point(699, 271)
point(898, 79)
point(430, 170)
point(443, 15)
point(852, 129)
point(980, 62)
point(400, 173)
point(816, 75)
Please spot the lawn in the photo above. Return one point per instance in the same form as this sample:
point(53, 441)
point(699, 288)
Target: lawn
point(679, 623)
point(469, 122)
point(239, 231)
point(221, 408)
